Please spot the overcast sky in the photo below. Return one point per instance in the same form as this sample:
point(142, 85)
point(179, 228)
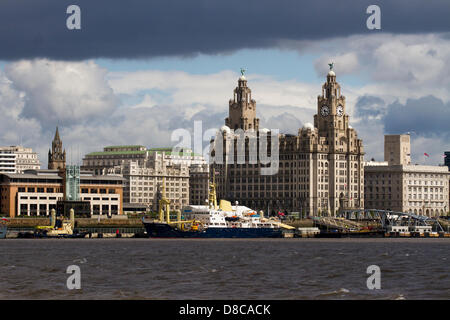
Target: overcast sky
point(137, 70)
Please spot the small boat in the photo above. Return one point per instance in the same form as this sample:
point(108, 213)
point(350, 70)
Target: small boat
point(57, 229)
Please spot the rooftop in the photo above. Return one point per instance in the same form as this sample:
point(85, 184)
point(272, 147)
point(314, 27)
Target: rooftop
point(113, 153)
point(125, 146)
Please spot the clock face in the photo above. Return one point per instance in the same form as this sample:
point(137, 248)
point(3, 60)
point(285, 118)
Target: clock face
point(340, 111)
point(324, 111)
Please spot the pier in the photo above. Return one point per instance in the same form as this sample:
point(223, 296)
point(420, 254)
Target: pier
point(391, 223)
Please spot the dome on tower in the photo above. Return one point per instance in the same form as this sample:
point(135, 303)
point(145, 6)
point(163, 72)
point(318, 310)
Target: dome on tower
point(331, 73)
point(308, 125)
point(225, 129)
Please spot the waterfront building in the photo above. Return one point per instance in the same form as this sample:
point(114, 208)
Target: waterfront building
point(36, 192)
point(417, 189)
point(56, 156)
point(198, 184)
point(144, 183)
point(320, 169)
point(144, 170)
point(111, 156)
point(397, 185)
point(16, 159)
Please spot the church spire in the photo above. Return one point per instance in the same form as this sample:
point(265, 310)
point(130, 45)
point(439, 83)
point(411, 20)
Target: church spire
point(56, 157)
point(57, 135)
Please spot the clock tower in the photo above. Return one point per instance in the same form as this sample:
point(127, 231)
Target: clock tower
point(242, 108)
point(331, 119)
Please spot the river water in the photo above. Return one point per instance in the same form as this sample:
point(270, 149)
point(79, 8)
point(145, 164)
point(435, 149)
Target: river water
point(224, 268)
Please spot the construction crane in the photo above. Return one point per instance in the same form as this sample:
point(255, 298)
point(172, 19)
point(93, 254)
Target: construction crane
point(212, 198)
point(164, 204)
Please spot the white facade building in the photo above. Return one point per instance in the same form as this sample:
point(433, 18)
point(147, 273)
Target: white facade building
point(418, 189)
point(17, 159)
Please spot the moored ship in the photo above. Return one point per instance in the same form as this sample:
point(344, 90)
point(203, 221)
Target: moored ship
point(213, 221)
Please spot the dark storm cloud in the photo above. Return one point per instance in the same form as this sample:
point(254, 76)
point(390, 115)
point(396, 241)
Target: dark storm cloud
point(426, 116)
point(138, 29)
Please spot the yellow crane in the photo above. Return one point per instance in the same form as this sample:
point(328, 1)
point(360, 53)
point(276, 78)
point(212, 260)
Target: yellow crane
point(212, 192)
point(164, 204)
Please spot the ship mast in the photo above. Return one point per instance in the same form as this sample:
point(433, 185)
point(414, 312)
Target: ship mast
point(212, 191)
point(164, 204)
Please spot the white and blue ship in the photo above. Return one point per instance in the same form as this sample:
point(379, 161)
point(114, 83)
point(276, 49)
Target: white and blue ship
point(213, 221)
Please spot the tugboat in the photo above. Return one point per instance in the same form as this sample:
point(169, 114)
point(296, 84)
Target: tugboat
point(213, 221)
point(59, 228)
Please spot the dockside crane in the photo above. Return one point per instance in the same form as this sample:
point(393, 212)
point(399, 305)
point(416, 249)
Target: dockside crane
point(164, 204)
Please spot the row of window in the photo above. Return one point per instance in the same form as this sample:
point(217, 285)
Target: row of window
point(95, 190)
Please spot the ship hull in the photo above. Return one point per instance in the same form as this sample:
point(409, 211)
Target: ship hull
point(35, 235)
point(163, 230)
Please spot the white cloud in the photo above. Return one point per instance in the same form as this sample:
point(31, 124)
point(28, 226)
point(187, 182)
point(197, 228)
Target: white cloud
point(394, 66)
point(216, 89)
point(348, 63)
point(62, 92)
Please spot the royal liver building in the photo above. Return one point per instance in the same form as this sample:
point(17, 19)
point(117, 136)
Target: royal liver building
point(316, 172)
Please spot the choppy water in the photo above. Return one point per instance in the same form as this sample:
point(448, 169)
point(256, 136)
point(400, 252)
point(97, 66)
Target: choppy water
point(225, 269)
